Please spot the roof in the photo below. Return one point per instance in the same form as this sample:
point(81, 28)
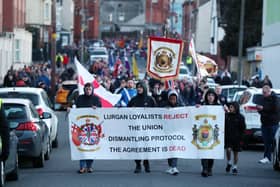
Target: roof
point(22, 89)
point(233, 86)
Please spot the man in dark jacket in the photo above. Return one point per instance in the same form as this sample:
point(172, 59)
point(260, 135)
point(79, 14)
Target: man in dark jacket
point(269, 111)
point(4, 133)
point(87, 100)
point(142, 100)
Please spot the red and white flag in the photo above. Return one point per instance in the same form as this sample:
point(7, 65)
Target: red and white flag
point(107, 98)
point(201, 71)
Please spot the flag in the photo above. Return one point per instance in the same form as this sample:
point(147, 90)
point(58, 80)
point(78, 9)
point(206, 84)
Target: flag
point(201, 71)
point(140, 45)
point(169, 84)
point(111, 60)
point(127, 65)
point(135, 70)
point(117, 68)
point(208, 64)
point(164, 58)
point(107, 98)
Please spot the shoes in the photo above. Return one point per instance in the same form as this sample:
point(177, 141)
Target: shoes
point(228, 168)
point(172, 171)
point(137, 169)
point(204, 173)
point(81, 171)
point(265, 160)
point(234, 171)
point(210, 172)
point(89, 170)
point(147, 169)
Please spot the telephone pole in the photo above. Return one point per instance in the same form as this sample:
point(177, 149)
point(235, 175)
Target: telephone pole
point(83, 27)
point(53, 51)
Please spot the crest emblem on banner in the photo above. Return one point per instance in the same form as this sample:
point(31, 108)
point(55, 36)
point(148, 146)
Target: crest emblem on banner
point(164, 57)
point(206, 135)
point(87, 136)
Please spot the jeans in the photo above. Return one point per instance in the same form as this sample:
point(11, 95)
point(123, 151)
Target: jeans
point(172, 162)
point(268, 133)
point(86, 164)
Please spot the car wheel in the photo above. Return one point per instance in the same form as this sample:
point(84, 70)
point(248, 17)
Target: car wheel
point(275, 158)
point(14, 174)
point(2, 174)
point(48, 152)
point(38, 162)
point(55, 142)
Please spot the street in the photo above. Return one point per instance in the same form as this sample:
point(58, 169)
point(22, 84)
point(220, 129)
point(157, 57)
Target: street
point(61, 171)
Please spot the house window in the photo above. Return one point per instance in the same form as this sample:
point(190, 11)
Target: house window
point(17, 50)
point(47, 11)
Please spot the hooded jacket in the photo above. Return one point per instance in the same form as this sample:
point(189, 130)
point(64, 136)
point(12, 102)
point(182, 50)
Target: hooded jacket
point(211, 91)
point(142, 100)
point(88, 100)
point(234, 126)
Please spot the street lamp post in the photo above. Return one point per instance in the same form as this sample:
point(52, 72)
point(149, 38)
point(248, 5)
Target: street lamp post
point(53, 51)
point(240, 42)
point(82, 30)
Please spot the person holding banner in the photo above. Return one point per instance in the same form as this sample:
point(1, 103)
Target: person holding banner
point(142, 100)
point(172, 102)
point(87, 100)
point(210, 98)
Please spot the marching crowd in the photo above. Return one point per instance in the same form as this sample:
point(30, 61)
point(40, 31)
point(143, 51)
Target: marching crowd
point(150, 92)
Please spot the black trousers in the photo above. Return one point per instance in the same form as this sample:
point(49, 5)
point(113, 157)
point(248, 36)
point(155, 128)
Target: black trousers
point(145, 163)
point(207, 164)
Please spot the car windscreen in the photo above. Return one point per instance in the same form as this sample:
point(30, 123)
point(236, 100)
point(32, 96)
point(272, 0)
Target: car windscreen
point(183, 71)
point(32, 97)
point(69, 86)
point(98, 53)
point(15, 112)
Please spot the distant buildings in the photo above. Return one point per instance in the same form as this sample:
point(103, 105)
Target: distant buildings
point(271, 41)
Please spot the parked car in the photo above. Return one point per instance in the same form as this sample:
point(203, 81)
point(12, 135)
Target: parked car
point(41, 101)
point(276, 151)
point(248, 99)
point(100, 53)
point(230, 90)
point(9, 170)
point(31, 130)
point(211, 82)
point(184, 73)
point(63, 93)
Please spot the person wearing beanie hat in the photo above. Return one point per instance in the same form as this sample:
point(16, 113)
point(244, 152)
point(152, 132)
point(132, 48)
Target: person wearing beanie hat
point(142, 99)
point(87, 100)
point(172, 102)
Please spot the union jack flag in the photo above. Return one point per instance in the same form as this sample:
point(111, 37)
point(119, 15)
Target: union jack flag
point(169, 84)
point(89, 135)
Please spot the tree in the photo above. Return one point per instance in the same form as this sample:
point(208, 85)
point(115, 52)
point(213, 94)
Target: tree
point(229, 21)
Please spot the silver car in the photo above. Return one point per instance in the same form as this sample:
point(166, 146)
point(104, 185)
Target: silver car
point(41, 101)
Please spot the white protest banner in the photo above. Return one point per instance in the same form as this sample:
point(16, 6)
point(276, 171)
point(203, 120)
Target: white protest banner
point(147, 133)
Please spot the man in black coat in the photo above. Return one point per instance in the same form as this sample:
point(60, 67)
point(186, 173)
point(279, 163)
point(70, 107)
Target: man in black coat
point(142, 100)
point(4, 133)
point(87, 100)
point(269, 111)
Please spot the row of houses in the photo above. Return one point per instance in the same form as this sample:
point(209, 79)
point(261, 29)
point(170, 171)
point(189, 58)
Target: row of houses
point(23, 26)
